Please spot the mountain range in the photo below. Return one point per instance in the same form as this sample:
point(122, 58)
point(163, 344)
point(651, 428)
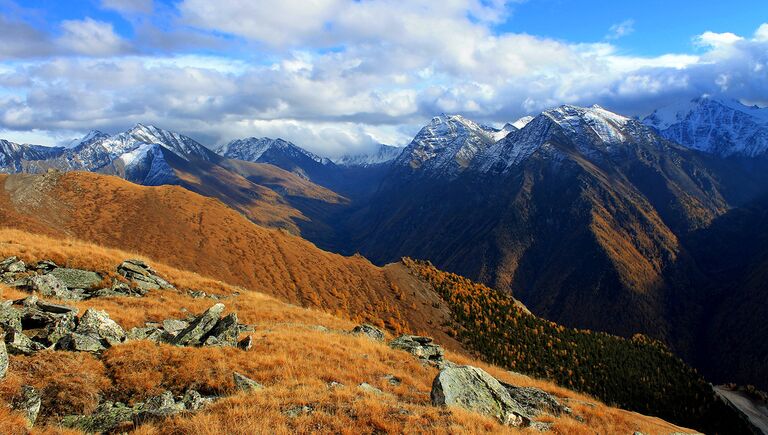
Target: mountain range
point(592, 219)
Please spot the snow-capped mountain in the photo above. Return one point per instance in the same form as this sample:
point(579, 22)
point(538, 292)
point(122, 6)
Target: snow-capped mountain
point(447, 145)
point(522, 122)
point(91, 137)
point(15, 157)
point(382, 154)
point(721, 127)
point(507, 129)
point(252, 149)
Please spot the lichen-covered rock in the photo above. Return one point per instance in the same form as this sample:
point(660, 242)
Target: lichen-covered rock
point(56, 308)
point(76, 278)
point(535, 401)
point(174, 326)
point(142, 275)
point(80, 343)
point(50, 286)
point(19, 344)
point(246, 343)
point(369, 331)
point(159, 407)
point(12, 265)
point(194, 401)
point(420, 347)
point(97, 324)
point(194, 334)
point(10, 318)
point(45, 266)
point(368, 388)
point(3, 357)
point(226, 331)
point(145, 333)
point(473, 389)
point(28, 403)
point(105, 418)
point(244, 383)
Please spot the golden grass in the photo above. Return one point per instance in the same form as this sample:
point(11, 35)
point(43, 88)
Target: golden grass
point(293, 358)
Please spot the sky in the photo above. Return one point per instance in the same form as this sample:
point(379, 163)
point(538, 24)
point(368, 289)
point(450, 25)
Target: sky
point(340, 76)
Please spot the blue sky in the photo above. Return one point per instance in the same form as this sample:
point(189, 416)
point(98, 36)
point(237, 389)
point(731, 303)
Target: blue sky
point(342, 75)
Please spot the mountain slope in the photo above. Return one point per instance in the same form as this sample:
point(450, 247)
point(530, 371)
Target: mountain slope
point(383, 154)
point(725, 128)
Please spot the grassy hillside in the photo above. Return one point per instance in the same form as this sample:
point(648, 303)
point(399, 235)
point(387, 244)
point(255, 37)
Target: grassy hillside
point(638, 374)
point(292, 356)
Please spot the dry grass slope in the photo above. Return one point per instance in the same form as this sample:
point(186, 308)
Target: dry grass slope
point(293, 358)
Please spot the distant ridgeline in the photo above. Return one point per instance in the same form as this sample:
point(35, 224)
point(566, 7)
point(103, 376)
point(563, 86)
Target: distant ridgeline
point(638, 374)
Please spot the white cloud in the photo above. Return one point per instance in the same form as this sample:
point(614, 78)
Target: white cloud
point(761, 34)
point(717, 40)
point(619, 30)
point(91, 38)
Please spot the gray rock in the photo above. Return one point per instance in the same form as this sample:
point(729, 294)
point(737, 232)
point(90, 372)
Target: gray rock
point(97, 324)
point(536, 401)
point(244, 383)
point(145, 333)
point(393, 380)
point(105, 418)
point(142, 275)
point(49, 285)
point(80, 343)
point(197, 294)
point(370, 331)
point(473, 389)
point(174, 326)
point(19, 344)
point(59, 330)
point(368, 388)
point(420, 347)
point(45, 266)
point(226, 331)
point(28, 403)
point(199, 327)
point(246, 343)
point(10, 318)
point(159, 407)
point(56, 308)
point(12, 265)
point(194, 401)
point(3, 359)
point(76, 278)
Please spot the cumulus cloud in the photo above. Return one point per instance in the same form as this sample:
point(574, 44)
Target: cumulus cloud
point(337, 76)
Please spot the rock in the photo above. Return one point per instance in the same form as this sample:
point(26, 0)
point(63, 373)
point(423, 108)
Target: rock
point(12, 265)
point(142, 275)
point(28, 403)
point(368, 388)
point(393, 380)
point(159, 407)
point(199, 327)
point(76, 278)
point(19, 344)
point(47, 285)
point(3, 359)
point(473, 389)
point(244, 383)
point(59, 330)
point(145, 333)
point(10, 318)
point(97, 324)
point(105, 418)
point(226, 331)
point(370, 331)
point(197, 294)
point(80, 343)
point(45, 266)
point(296, 411)
point(56, 308)
point(194, 401)
point(420, 347)
point(535, 401)
point(246, 343)
point(174, 326)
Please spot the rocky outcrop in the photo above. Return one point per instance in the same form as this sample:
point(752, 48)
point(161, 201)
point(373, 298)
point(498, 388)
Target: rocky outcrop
point(420, 347)
point(95, 323)
point(48, 279)
point(28, 403)
point(244, 383)
point(536, 401)
point(473, 389)
point(369, 331)
point(3, 360)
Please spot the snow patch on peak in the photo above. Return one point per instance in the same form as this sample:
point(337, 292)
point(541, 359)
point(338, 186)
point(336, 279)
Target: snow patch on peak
point(382, 154)
point(501, 134)
point(522, 122)
point(90, 137)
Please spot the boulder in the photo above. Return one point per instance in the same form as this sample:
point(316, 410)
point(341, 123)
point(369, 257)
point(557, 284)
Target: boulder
point(56, 308)
point(145, 333)
point(19, 344)
point(473, 389)
point(105, 418)
point(12, 265)
point(97, 324)
point(174, 326)
point(80, 343)
point(536, 401)
point(28, 403)
point(45, 266)
point(76, 278)
point(158, 407)
point(225, 331)
point(296, 411)
point(10, 318)
point(142, 275)
point(244, 383)
point(420, 347)
point(369, 331)
point(368, 388)
point(193, 335)
point(3, 359)
point(194, 401)
point(49, 285)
